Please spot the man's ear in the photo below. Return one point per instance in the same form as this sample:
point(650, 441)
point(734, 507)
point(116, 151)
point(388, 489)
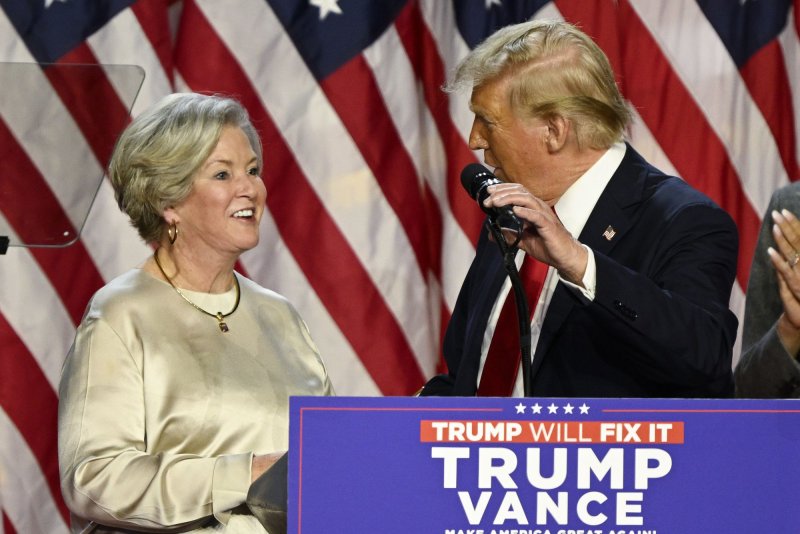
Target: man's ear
point(558, 129)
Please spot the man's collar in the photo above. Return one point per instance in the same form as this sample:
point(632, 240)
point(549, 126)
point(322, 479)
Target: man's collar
point(577, 202)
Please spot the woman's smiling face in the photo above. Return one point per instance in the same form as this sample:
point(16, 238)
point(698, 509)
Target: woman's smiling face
point(223, 211)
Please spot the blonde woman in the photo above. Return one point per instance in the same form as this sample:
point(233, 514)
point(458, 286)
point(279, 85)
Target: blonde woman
point(174, 396)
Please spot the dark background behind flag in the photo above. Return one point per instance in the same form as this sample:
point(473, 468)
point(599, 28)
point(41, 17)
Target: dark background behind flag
point(368, 231)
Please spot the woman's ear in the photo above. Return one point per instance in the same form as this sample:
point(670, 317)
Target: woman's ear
point(170, 216)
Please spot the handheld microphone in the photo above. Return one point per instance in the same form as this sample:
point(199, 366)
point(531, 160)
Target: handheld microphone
point(476, 178)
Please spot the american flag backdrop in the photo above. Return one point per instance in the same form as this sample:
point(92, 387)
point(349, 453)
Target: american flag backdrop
point(368, 231)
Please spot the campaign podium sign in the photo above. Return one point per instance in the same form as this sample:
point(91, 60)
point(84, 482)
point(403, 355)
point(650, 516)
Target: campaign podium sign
point(543, 466)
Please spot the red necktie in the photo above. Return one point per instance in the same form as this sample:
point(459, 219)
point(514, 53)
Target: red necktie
point(503, 358)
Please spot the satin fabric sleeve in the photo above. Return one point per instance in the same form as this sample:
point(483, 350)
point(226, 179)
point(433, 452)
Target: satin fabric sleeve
point(106, 474)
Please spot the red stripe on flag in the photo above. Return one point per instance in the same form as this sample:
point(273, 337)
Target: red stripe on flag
point(441, 364)
point(387, 357)
point(766, 78)
point(354, 94)
point(432, 214)
point(32, 406)
point(70, 270)
point(796, 17)
point(27, 202)
point(599, 21)
point(421, 49)
point(153, 17)
point(7, 526)
point(91, 100)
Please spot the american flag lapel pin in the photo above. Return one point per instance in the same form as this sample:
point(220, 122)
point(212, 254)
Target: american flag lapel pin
point(609, 233)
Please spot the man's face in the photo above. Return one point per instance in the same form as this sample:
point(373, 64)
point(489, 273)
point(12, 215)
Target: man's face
point(515, 146)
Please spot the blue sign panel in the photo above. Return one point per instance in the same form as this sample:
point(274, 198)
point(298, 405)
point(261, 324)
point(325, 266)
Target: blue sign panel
point(542, 466)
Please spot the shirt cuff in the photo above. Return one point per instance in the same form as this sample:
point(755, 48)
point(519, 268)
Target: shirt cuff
point(589, 279)
point(230, 484)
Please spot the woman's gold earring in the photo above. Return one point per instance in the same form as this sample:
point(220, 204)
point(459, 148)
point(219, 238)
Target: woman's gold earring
point(172, 232)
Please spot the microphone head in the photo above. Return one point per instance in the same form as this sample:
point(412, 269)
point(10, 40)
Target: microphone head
point(474, 178)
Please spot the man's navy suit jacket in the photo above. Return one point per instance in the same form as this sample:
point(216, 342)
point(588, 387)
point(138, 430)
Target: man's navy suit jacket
point(659, 325)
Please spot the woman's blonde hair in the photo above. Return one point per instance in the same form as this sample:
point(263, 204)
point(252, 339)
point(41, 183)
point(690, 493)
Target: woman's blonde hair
point(157, 155)
point(553, 69)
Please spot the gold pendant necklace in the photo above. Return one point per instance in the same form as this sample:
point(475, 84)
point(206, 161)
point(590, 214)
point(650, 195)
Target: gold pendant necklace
point(219, 316)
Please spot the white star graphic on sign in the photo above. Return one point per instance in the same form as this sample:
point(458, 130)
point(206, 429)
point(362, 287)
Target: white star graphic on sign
point(520, 408)
point(552, 408)
point(583, 408)
point(326, 6)
point(490, 3)
point(536, 408)
point(568, 408)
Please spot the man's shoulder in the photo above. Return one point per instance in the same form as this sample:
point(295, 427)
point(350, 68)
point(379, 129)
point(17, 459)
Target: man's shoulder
point(668, 192)
point(664, 197)
point(636, 174)
point(679, 203)
point(676, 191)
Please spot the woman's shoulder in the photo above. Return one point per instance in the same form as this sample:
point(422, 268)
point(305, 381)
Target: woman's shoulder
point(266, 299)
point(259, 291)
point(125, 291)
point(787, 196)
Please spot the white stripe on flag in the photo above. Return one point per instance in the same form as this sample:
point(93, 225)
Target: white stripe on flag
point(123, 42)
point(714, 81)
point(790, 45)
point(400, 90)
point(441, 20)
point(22, 484)
point(34, 310)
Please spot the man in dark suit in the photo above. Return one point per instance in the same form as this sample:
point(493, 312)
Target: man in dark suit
point(641, 266)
